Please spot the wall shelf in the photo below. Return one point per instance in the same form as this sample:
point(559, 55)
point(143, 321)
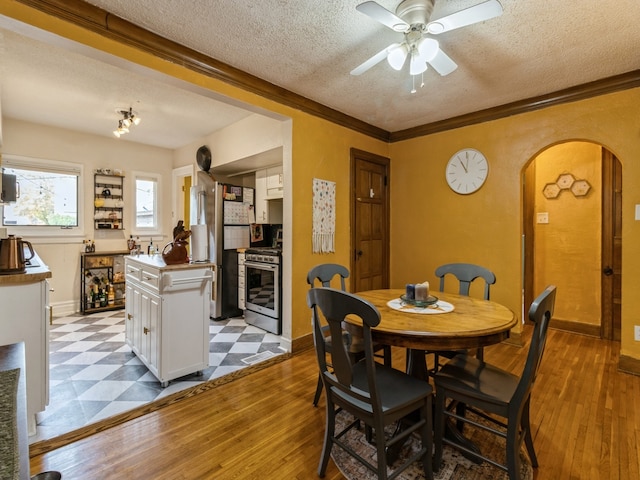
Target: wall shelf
point(108, 203)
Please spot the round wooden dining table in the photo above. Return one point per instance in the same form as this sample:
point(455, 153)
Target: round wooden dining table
point(453, 322)
point(472, 323)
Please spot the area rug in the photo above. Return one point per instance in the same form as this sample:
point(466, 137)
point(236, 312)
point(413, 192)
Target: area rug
point(454, 465)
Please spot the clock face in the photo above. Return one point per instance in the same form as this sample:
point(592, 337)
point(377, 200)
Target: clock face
point(466, 171)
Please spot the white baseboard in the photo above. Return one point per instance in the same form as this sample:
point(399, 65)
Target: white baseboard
point(62, 309)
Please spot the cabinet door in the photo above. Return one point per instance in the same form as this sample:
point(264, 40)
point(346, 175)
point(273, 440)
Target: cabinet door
point(274, 177)
point(261, 203)
point(149, 331)
point(275, 184)
point(132, 309)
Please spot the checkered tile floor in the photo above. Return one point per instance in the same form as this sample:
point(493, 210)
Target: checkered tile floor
point(94, 374)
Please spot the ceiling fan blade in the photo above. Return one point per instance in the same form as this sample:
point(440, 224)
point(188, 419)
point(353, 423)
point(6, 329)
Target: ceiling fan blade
point(442, 64)
point(380, 14)
point(468, 16)
point(377, 58)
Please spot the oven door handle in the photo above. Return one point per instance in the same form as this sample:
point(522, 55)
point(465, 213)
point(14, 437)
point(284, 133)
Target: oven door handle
point(261, 266)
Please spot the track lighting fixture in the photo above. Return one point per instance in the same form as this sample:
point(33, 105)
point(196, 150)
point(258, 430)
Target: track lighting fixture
point(129, 117)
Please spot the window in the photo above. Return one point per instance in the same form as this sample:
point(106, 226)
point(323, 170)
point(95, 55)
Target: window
point(48, 194)
point(146, 202)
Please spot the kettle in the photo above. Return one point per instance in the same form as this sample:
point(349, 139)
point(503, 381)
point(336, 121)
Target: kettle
point(12, 258)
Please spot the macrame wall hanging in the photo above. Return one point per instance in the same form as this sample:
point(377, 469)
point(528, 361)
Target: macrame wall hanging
point(324, 216)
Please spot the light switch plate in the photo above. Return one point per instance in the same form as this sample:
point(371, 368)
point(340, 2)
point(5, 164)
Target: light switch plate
point(636, 333)
point(543, 217)
point(637, 212)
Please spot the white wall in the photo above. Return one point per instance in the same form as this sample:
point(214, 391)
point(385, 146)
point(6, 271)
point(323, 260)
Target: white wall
point(62, 254)
point(249, 137)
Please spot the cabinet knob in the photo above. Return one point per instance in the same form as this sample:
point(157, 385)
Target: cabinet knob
point(146, 330)
point(129, 316)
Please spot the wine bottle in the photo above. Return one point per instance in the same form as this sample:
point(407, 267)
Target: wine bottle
point(111, 297)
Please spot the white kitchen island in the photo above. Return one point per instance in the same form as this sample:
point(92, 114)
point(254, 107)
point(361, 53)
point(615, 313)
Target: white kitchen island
point(167, 315)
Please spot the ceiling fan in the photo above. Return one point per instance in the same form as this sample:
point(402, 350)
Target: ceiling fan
point(413, 19)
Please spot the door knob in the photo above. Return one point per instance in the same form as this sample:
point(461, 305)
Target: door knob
point(608, 271)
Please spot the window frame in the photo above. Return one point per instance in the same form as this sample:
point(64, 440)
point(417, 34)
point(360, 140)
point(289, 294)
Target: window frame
point(51, 166)
point(156, 229)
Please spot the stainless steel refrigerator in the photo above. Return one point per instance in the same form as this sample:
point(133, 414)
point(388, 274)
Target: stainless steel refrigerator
point(225, 213)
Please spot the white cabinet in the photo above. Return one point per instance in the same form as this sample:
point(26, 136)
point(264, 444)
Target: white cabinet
point(275, 186)
point(167, 315)
point(25, 318)
point(241, 282)
point(269, 192)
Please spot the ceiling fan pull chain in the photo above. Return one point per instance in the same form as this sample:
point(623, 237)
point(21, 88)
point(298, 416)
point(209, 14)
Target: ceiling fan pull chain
point(422, 84)
point(413, 80)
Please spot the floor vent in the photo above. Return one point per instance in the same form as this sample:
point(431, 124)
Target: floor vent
point(258, 357)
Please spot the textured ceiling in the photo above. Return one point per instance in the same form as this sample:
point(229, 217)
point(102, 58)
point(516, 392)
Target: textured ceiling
point(310, 46)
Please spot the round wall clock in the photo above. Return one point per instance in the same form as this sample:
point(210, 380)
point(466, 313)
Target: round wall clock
point(467, 171)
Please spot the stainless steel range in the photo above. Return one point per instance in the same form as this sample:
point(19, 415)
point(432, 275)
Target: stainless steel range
point(263, 290)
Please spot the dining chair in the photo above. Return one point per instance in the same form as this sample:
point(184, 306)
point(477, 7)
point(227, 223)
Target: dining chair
point(491, 392)
point(324, 274)
point(371, 392)
point(465, 273)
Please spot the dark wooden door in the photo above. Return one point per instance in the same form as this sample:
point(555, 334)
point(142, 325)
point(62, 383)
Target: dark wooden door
point(611, 246)
point(370, 221)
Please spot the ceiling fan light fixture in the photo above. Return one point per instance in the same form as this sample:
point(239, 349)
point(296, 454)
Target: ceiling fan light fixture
point(397, 56)
point(428, 48)
point(418, 65)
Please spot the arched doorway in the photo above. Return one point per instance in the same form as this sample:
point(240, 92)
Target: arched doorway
point(572, 235)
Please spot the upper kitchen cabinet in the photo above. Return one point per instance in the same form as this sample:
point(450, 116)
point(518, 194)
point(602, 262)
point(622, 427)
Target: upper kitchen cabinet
point(269, 193)
point(275, 187)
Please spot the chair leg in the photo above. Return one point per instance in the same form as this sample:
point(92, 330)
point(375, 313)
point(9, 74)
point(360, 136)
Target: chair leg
point(438, 433)
point(513, 450)
point(329, 432)
point(316, 397)
point(381, 453)
point(528, 441)
point(427, 438)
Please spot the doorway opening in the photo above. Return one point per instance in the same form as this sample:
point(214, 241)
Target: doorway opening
point(572, 235)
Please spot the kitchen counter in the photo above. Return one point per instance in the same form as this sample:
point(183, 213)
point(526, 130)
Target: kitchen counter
point(32, 274)
point(25, 318)
point(156, 261)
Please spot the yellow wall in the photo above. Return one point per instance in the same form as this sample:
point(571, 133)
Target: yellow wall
point(568, 248)
point(430, 224)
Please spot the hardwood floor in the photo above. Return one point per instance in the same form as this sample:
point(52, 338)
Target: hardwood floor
point(585, 416)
